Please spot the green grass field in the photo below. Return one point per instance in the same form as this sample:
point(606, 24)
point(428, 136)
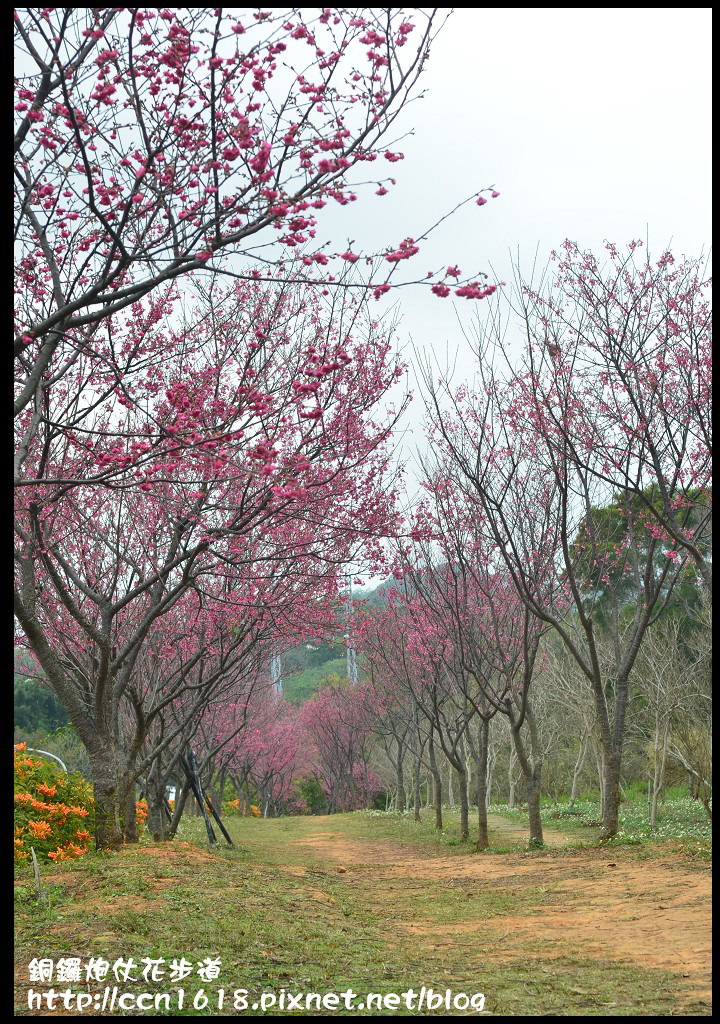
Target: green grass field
point(378, 903)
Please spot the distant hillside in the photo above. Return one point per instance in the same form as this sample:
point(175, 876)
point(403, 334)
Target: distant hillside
point(312, 654)
point(36, 708)
point(300, 686)
point(305, 668)
point(378, 595)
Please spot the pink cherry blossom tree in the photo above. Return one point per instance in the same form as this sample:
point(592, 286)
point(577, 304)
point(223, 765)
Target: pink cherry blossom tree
point(337, 723)
point(405, 644)
point(397, 725)
point(202, 686)
point(182, 441)
point(250, 455)
point(643, 331)
point(535, 452)
point(271, 751)
point(453, 569)
point(155, 144)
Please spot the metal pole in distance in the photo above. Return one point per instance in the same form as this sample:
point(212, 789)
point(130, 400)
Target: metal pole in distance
point(351, 660)
point(276, 672)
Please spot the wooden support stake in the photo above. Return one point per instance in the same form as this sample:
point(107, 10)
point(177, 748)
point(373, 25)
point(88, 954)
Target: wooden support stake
point(190, 765)
point(36, 871)
point(216, 816)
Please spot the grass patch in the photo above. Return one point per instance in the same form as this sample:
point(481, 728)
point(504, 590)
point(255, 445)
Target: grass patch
point(507, 833)
point(682, 823)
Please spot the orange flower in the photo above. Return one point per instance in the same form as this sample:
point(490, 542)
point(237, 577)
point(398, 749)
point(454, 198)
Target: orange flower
point(46, 790)
point(19, 852)
point(24, 798)
point(39, 829)
point(20, 747)
point(83, 835)
point(38, 805)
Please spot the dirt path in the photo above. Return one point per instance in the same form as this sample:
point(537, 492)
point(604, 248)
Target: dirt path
point(607, 906)
point(348, 900)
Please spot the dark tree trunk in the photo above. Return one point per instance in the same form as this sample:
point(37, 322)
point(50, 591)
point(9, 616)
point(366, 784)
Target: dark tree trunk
point(536, 832)
point(181, 795)
point(531, 764)
point(416, 790)
point(400, 784)
point(158, 824)
point(611, 794)
point(109, 824)
point(611, 738)
point(482, 767)
point(111, 791)
point(219, 793)
point(464, 804)
point(130, 825)
point(576, 772)
point(437, 777)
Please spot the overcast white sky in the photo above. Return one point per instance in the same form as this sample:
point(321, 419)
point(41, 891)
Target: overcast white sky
point(593, 123)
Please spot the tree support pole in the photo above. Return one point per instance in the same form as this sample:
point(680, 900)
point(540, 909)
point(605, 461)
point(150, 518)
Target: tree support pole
point(190, 766)
point(203, 799)
point(216, 816)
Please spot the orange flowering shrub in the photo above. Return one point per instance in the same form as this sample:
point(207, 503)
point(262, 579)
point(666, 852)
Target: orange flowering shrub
point(233, 807)
point(141, 813)
point(53, 810)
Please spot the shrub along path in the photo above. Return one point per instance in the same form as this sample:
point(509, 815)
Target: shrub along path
point(377, 903)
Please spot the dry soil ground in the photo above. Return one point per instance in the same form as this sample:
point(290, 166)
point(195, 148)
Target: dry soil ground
point(605, 905)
